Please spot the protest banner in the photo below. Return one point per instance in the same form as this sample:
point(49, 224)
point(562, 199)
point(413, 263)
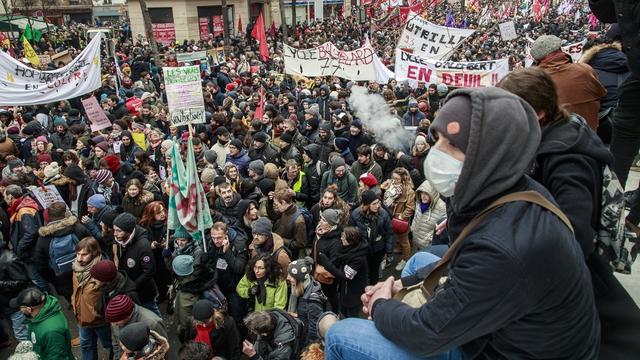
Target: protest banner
point(96, 115)
point(23, 85)
point(456, 74)
point(46, 195)
point(429, 40)
point(184, 94)
point(328, 60)
point(574, 50)
point(508, 31)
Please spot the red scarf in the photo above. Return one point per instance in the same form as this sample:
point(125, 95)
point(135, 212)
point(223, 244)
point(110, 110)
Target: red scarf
point(203, 334)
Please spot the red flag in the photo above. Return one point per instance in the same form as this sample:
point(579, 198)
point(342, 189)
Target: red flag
point(537, 10)
point(272, 29)
point(239, 25)
point(260, 108)
point(259, 34)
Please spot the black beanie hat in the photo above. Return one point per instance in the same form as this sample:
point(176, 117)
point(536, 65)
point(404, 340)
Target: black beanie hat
point(454, 121)
point(261, 136)
point(368, 197)
point(286, 137)
point(202, 310)
point(126, 222)
point(237, 143)
point(135, 336)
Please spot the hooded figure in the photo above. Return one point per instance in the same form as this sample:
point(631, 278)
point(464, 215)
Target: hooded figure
point(430, 209)
point(314, 169)
point(345, 181)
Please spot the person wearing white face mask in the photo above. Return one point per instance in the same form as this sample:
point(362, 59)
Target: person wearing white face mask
point(516, 285)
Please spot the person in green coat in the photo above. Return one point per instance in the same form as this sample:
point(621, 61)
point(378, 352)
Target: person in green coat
point(46, 324)
point(264, 283)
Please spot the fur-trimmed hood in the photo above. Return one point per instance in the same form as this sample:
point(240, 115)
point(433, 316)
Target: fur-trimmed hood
point(589, 54)
point(57, 225)
point(608, 58)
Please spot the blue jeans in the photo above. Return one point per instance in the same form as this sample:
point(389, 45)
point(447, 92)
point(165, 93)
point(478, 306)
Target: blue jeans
point(419, 260)
point(37, 278)
point(89, 341)
point(358, 339)
point(153, 306)
point(19, 328)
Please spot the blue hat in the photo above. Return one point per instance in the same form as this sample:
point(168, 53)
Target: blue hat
point(342, 143)
point(181, 233)
point(182, 265)
point(97, 201)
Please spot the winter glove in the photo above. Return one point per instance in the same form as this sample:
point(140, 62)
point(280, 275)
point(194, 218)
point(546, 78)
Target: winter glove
point(254, 290)
point(166, 253)
point(323, 259)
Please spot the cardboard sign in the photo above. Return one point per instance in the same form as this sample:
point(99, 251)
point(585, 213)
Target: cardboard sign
point(428, 40)
point(45, 59)
point(184, 94)
point(508, 31)
point(46, 195)
point(61, 57)
point(96, 115)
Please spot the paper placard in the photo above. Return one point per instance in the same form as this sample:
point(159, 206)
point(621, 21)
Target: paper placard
point(184, 95)
point(96, 115)
point(46, 195)
point(508, 31)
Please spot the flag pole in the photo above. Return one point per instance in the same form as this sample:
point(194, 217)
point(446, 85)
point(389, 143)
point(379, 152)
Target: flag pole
point(169, 182)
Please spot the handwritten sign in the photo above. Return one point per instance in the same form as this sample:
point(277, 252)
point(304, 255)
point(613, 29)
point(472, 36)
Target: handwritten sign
point(46, 195)
point(574, 50)
point(429, 40)
point(328, 60)
point(184, 95)
point(96, 115)
point(507, 30)
point(191, 56)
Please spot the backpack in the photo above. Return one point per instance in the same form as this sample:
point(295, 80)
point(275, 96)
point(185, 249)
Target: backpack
point(308, 222)
point(62, 253)
point(612, 240)
point(298, 329)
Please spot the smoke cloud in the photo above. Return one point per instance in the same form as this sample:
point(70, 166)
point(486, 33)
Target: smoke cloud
point(375, 114)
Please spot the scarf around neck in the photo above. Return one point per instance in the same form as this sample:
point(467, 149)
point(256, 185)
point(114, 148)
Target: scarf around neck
point(203, 334)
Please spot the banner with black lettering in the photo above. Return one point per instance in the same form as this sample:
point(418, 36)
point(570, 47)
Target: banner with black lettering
point(456, 74)
point(328, 60)
point(429, 40)
point(574, 50)
point(23, 85)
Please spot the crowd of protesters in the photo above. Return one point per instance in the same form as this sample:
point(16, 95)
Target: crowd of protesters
point(311, 208)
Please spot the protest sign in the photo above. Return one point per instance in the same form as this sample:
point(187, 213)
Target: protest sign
point(44, 59)
point(456, 74)
point(328, 60)
point(429, 40)
point(191, 56)
point(61, 57)
point(574, 50)
point(184, 94)
point(46, 195)
point(96, 115)
point(507, 31)
point(217, 55)
point(23, 85)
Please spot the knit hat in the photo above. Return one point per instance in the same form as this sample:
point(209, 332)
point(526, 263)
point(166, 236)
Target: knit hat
point(454, 121)
point(545, 45)
point(331, 216)
point(221, 130)
point(337, 162)
point(237, 143)
point(59, 121)
point(113, 163)
point(103, 175)
point(135, 336)
point(118, 308)
point(33, 127)
point(341, 143)
point(312, 110)
point(368, 179)
point(203, 310)
point(30, 296)
point(74, 172)
point(314, 123)
point(207, 176)
point(182, 265)
point(12, 164)
point(165, 146)
point(420, 140)
point(103, 145)
point(108, 218)
point(325, 126)
point(286, 137)
point(218, 180)
point(97, 201)
point(368, 197)
point(210, 156)
point(24, 351)
point(126, 222)
point(97, 139)
point(266, 186)
point(51, 170)
point(300, 269)
point(44, 157)
point(262, 226)
point(181, 233)
point(104, 271)
point(42, 138)
point(261, 136)
point(257, 166)
point(357, 123)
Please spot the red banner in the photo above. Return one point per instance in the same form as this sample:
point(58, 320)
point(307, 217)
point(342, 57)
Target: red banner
point(164, 33)
point(218, 25)
point(203, 25)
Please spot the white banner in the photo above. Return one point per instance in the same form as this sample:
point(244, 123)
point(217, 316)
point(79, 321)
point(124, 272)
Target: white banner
point(574, 50)
point(184, 94)
point(22, 85)
point(456, 74)
point(318, 9)
point(429, 40)
point(328, 60)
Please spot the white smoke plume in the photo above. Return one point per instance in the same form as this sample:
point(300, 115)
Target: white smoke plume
point(375, 114)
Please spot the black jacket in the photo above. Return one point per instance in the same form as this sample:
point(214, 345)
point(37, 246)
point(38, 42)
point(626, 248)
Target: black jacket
point(610, 64)
point(314, 171)
point(375, 229)
point(13, 278)
point(225, 340)
point(351, 270)
point(136, 258)
point(229, 266)
point(122, 285)
point(232, 211)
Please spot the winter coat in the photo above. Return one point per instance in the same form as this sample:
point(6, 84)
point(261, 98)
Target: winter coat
point(143, 315)
point(230, 266)
point(86, 301)
point(276, 293)
point(225, 340)
point(123, 285)
point(135, 206)
point(412, 119)
point(351, 271)
point(268, 154)
point(291, 153)
point(347, 185)
point(8, 147)
point(25, 222)
point(201, 278)
point(309, 307)
point(424, 223)
point(328, 244)
point(49, 332)
point(280, 347)
point(233, 210)
point(277, 251)
point(326, 147)
point(300, 187)
point(136, 258)
point(241, 161)
point(14, 278)
point(314, 172)
point(610, 64)
point(293, 231)
point(221, 151)
point(64, 141)
point(358, 169)
point(579, 91)
point(404, 205)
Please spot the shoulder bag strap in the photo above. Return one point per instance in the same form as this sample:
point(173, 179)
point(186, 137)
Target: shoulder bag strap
point(431, 282)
